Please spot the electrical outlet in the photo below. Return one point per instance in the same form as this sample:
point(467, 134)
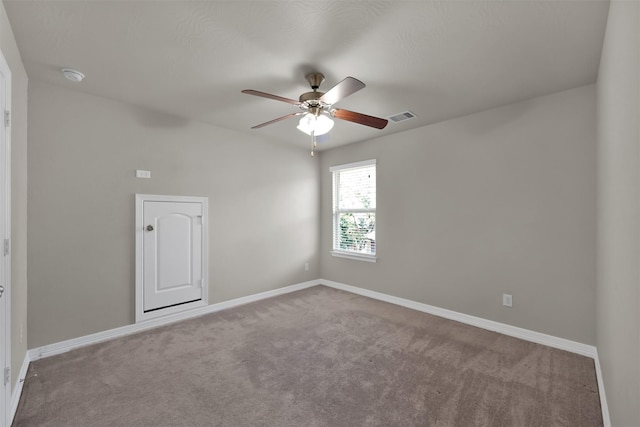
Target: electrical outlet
point(507, 300)
point(306, 266)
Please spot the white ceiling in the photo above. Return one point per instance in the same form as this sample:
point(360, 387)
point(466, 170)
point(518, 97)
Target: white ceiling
point(439, 59)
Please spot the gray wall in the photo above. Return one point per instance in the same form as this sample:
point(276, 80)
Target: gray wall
point(618, 311)
point(83, 153)
point(502, 201)
point(18, 195)
point(499, 201)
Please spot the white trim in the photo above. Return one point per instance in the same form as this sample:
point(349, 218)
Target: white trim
point(17, 390)
point(335, 185)
point(513, 331)
point(141, 316)
point(354, 255)
point(353, 165)
point(72, 344)
point(606, 418)
point(361, 210)
point(5, 233)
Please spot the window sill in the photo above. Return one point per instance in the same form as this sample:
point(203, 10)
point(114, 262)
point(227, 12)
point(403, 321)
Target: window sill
point(356, 256)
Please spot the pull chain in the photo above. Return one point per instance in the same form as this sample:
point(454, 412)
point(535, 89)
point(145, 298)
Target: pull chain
point(313, 143)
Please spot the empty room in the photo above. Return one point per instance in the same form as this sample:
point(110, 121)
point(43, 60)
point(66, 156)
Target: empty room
point(320, 213)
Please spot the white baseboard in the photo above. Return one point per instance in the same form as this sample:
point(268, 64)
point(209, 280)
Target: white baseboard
point(72, 344)
point(17, 389)
point(514, 331)
point(606, 418)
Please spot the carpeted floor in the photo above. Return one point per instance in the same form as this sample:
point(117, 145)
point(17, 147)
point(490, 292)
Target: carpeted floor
point(317, 357)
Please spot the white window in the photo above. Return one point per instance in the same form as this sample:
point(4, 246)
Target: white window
point(354, 210)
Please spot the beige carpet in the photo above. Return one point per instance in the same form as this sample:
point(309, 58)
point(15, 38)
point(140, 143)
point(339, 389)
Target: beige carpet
point(317, 357)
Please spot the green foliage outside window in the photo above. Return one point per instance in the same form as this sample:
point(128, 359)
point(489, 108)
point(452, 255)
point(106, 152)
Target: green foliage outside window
point(356, 232)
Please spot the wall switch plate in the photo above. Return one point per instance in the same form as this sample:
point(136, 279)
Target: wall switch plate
point(306, 266)
point(143, 174)
point(507, 300)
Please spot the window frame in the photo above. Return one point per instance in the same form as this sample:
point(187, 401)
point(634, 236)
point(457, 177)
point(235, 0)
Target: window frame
point(335, 215)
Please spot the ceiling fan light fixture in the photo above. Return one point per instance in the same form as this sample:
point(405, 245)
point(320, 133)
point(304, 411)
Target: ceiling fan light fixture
point(318, 125)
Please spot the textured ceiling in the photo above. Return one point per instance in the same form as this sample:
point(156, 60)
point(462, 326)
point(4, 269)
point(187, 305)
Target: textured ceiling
point(439, 59)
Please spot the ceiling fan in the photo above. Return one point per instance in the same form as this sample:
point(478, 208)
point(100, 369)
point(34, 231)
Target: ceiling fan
point(317, 107)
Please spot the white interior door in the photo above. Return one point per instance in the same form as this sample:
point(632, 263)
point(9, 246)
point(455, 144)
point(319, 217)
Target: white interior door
point(173, 248)
point(5, 232)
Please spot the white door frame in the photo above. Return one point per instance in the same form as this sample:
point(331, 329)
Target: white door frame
point(140, 199)
point(5, 234)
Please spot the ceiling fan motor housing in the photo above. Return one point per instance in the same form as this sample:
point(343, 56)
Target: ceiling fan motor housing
point(311, 97)
point(312, 101)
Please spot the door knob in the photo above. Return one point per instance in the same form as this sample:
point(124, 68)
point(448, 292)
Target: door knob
point(1, 290)
point(149, 227)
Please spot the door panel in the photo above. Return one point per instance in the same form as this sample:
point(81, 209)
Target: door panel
point(172, 248)
point(173, 251)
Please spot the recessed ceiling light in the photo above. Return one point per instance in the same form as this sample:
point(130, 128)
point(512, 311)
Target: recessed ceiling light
point(73, 75)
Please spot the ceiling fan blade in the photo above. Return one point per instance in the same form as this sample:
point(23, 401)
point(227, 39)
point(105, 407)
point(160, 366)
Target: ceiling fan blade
point(278, 119)
point(343, 89)
point(363, 119)
point(268, 95)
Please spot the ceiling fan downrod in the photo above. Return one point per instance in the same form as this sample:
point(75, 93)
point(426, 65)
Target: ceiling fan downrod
point(315, 80)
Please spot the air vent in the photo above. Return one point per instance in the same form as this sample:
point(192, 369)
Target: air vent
point(401, 117)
